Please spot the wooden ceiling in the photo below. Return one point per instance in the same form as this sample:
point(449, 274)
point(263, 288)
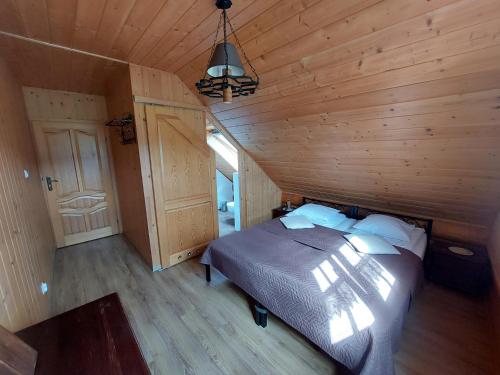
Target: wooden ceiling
point(386, 103)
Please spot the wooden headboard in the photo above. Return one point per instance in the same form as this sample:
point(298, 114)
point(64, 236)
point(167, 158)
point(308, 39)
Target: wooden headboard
point(358, 213)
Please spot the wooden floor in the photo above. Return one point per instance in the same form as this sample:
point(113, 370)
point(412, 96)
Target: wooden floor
point(185, 326)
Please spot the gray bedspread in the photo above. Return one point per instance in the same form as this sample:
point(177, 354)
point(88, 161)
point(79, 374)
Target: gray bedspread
point(351, 305)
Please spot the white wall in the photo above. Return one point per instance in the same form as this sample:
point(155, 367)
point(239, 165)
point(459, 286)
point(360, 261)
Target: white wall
point(224, 189)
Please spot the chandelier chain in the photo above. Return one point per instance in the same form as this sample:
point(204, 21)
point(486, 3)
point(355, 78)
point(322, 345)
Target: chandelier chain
point(213, 45)
point(225, 45)
point(241, 48)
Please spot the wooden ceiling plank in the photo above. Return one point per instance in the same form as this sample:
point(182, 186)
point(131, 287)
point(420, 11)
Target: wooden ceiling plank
point(461, 116)
point(114, 15)
point(198, 11)
point(88, 18)
point(334, 136)
point(397, 176)
point(402, 151)
point(467, 202)
point(35, 18)
point(10, 18)
point(386, 168)
point(480, 201)
point(384, 174)
point(62, 17)
point(139, 20)
point(394, 199)
point(402, 158)
point(162, 22)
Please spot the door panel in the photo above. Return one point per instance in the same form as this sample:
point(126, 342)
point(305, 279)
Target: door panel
point(183, 171)
point(81, 203)
point(90, 163)
point(185, 165)
point(62, 161)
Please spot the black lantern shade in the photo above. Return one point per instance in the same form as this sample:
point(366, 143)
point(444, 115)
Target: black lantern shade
point(217, 66)
point(225, 76)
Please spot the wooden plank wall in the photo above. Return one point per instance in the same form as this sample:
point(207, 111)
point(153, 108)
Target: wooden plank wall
point(127, 166)
point(494, 249)
point(44, 104)
point(56, 69)
point(259, 193)
point(26, 241)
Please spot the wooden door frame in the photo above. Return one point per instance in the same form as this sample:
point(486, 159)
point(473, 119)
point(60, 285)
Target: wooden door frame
point(241, 166)
point(70, 123)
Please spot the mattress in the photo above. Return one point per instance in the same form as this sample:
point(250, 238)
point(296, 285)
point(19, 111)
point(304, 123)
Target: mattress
point(417, 243)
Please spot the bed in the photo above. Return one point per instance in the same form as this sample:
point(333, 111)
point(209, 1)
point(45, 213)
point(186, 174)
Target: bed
point(351, 305)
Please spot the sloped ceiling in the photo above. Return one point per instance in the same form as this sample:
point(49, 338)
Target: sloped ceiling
point(391, 103)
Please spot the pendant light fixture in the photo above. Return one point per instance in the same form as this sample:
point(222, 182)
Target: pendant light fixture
point(225, 76)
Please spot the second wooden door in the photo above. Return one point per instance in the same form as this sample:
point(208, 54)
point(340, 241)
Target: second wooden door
point(183, 171)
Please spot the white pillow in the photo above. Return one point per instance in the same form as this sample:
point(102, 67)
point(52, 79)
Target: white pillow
point(370, 244)
point(386, 226)
point(332, 222)
point(346, 225)
point(296, 222)
point(321, 215)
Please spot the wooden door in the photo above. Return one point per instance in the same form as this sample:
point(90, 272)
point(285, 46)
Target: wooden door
point(183, 172)
point(74, 156)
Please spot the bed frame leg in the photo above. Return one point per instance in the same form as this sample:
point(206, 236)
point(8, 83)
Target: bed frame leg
point(208, 277)
point(260, 315)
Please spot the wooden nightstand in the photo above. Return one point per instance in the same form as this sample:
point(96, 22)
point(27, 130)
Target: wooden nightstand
point(467, 273)
point(280, 211)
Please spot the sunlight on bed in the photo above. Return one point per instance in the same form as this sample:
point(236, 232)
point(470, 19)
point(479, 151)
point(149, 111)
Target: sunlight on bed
point(358, 277)
point(325, 275)
point(351, 255)
point(381, 279)
point(341, 326)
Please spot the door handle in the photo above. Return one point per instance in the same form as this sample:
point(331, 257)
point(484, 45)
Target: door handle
point(49, 181)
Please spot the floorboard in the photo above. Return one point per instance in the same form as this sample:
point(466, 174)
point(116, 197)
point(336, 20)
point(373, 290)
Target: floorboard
point(185, 326)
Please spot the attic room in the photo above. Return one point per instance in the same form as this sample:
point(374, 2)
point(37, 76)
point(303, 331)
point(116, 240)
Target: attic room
point(250, 187)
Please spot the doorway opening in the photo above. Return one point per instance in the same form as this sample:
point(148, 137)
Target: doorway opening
point(227, 181)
